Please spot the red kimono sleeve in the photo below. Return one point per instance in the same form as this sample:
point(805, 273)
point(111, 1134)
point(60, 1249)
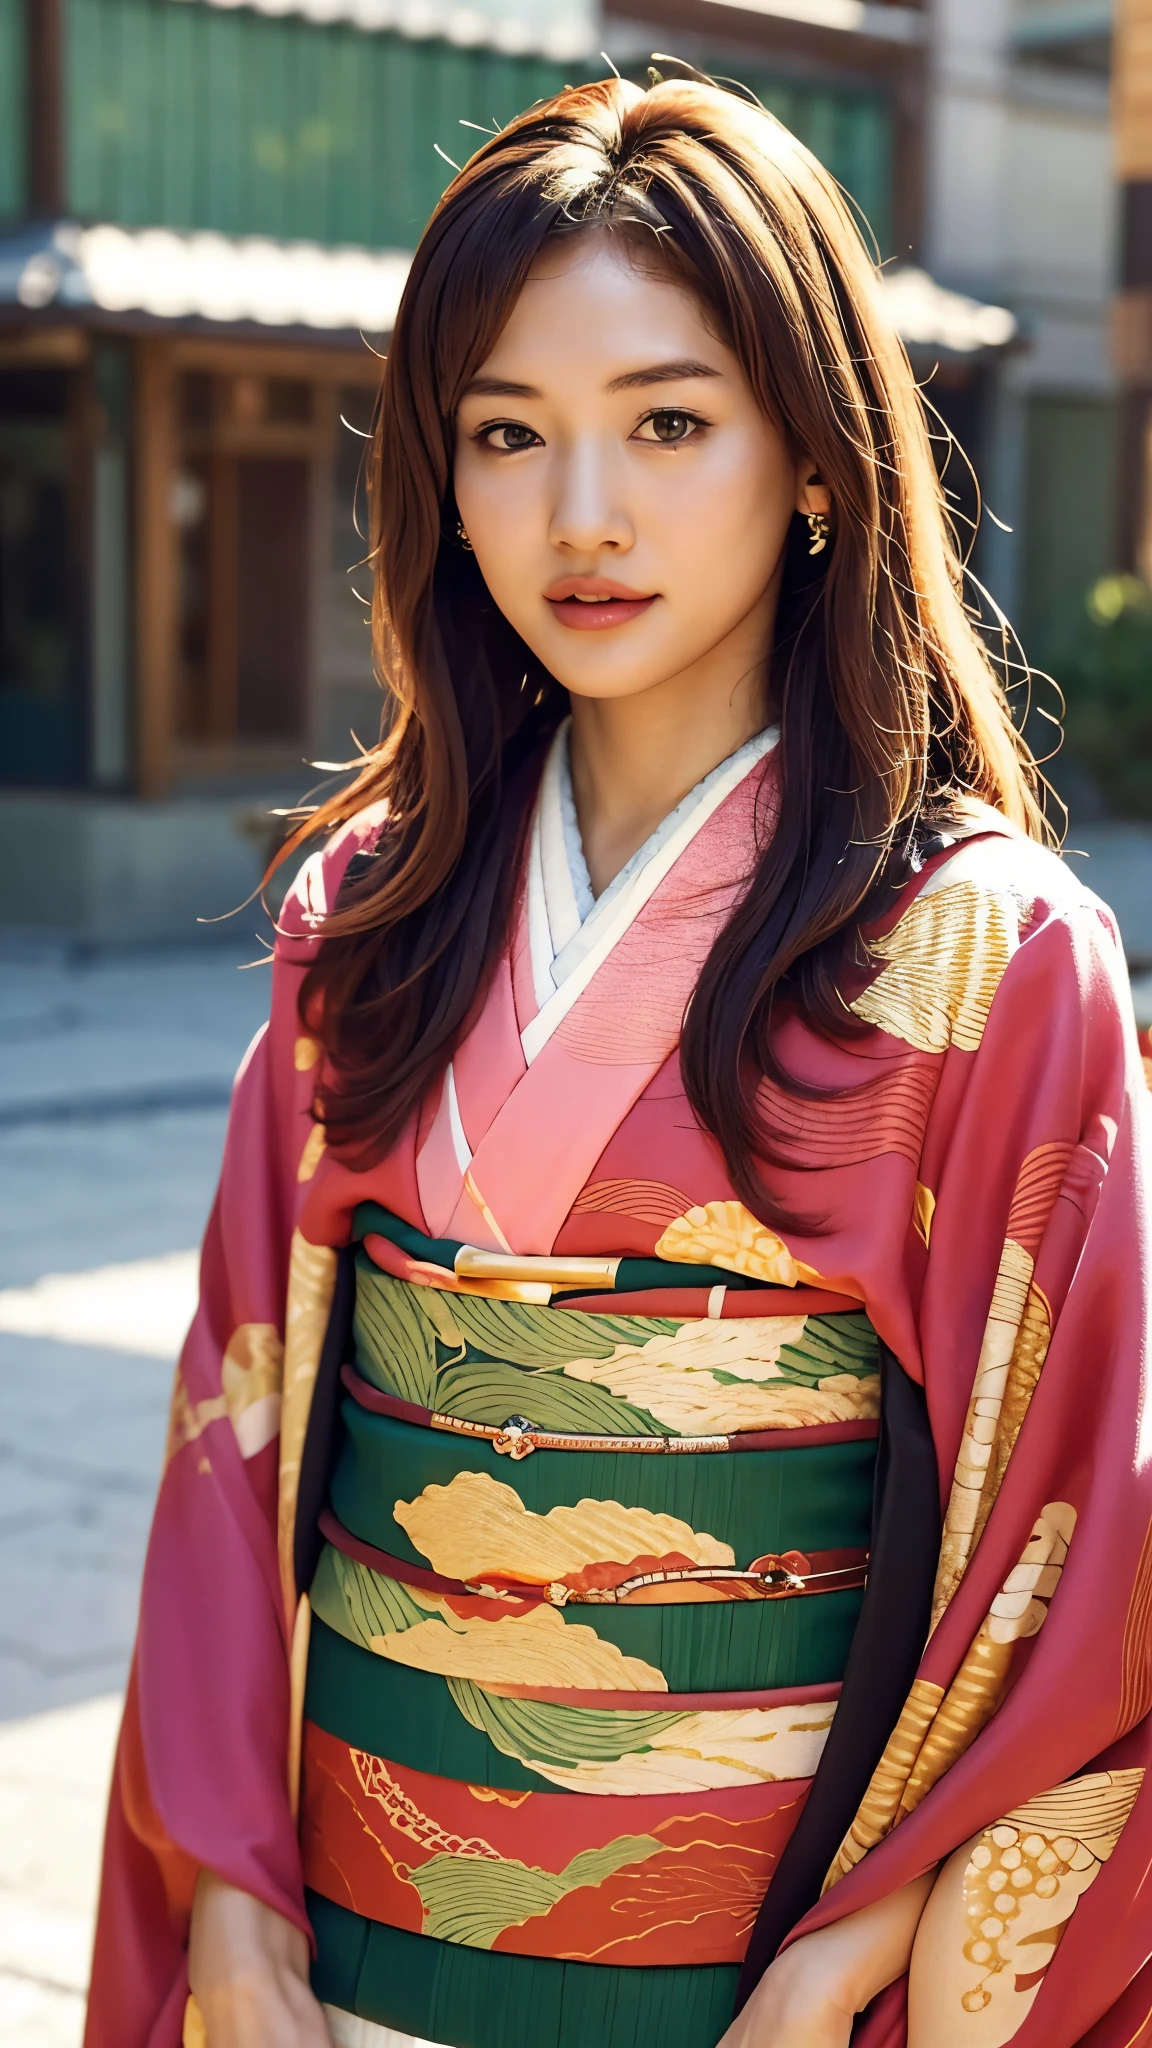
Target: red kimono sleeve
point(1018, 1763)
point(200, 1778)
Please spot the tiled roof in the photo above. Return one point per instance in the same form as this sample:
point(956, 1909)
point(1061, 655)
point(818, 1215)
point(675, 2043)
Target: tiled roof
point(204, 276)
point(549, 28)
point(930, 317)
point(171, 275)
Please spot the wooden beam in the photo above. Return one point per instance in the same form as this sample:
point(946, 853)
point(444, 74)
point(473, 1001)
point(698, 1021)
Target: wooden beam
point(57, 348)
point(264, 437)
point(1132, 336)
point(46, 167)
point(1132, 313)
point(223, 567)
point(156, 566)
point(239, 358)
point(1132, 89)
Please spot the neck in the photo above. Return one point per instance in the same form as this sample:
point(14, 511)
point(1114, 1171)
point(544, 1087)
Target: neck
point(634, 758)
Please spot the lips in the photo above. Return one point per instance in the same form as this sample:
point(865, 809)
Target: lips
point(591, 604)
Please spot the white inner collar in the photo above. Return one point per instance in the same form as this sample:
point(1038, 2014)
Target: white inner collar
point(566, 921)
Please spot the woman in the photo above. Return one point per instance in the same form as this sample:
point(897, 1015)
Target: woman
point(654, 1479)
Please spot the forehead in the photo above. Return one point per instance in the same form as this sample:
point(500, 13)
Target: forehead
point(589, 303)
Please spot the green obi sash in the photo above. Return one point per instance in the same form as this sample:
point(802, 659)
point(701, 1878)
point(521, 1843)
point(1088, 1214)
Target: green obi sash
point(588, 1590)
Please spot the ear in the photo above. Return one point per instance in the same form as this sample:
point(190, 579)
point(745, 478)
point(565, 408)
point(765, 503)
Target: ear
point(812, 493)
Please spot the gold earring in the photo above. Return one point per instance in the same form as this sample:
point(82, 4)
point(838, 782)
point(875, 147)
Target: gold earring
point(819, 527)
point(462, 536)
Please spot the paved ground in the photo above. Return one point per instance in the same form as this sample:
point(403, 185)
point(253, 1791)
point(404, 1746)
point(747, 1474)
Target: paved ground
point(114, 1077)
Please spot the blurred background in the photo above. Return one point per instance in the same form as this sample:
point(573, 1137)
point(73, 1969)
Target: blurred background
point(207, 212)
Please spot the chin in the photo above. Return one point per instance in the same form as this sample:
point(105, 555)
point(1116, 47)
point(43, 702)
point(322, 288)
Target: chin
point(623, 669)
point(632, 683)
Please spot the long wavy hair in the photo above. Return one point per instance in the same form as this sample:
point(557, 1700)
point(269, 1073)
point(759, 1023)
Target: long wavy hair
point(889, 707)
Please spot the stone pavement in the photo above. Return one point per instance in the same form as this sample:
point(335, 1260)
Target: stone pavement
point(114, 1079)
point(54, 1771)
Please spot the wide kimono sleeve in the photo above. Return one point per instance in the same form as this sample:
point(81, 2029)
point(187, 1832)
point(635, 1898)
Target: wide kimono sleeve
point(201, 1772)
point(1018, 1762)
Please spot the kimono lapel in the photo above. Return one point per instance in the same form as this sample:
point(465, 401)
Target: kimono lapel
point(569, 1071)
point(549, 933)
point(486, 1070)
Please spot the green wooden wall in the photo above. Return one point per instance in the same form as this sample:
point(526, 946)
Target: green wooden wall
point(12, 98)
point(198, 116)
point(204, 117)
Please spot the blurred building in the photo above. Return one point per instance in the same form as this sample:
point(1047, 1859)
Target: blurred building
point(204, 207)
point(1134, 305)
point(207, 206)
point(1020, 206)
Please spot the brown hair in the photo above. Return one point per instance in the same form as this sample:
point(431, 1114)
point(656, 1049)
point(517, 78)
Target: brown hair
point(887, 701)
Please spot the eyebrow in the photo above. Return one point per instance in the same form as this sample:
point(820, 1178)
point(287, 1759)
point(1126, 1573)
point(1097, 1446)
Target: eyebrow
point(499, 387)
point(632, 380)
point(663, 373)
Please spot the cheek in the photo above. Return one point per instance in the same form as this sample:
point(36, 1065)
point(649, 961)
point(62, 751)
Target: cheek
point(496, 540)
point(725, 521)
point(757, 485)
point(501, 516)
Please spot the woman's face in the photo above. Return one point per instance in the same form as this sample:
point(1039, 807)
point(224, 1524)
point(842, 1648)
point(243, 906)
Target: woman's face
point(626, 498)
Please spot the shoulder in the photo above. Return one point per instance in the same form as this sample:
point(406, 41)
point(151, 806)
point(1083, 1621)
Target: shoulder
point(1003, 877)
point(989, 906)
point(1000, 879)
point(312, 895)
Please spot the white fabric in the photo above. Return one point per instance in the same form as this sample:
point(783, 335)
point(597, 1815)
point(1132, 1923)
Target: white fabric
point(553, 915)
point(460, 1143)
point(348, 2031)
point(570, 934)
point(582, 890)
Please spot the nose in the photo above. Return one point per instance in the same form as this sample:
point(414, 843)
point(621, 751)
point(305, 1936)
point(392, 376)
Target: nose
point(589, 512)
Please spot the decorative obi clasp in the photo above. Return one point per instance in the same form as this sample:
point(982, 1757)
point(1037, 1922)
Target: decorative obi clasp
point(766, 1576)
point(519, 1437)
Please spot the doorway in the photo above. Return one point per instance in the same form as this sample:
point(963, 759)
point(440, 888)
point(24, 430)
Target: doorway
point(243, 506)
point(43, 737)
point(272, 523)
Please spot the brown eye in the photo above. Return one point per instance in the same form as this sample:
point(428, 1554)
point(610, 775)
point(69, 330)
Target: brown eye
point(510, 436)
point(669, 427)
